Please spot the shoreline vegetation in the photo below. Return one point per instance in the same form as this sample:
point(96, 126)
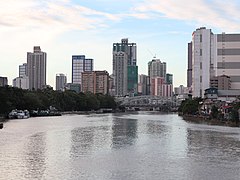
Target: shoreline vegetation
point(43, 100)
point(206, 120)
point(70, 102)
point(192, 111)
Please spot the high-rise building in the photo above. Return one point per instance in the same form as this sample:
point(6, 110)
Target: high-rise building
point(23, 70)
point(214, 55)
point(61, 81)
point(143, 85)
point(156, 68)
point(3, 81)
point(167, 90)
point(228, 58)
point(95, 82)
point(169, 78)
point(156, 86)
point(36, 68)
point(132, 80)
point(125, 70)
point(189, 69)
point(202, 60)
point(80, 64)
point(156, 71)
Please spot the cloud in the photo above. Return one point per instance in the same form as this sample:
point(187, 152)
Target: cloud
point(221, 15)
point(58, 14)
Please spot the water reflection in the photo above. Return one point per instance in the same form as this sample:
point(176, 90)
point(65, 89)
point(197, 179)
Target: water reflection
point(34, 153)
point(136, 146)
point(82, 141)
point(213, 146)
point(124, 132)
point(88, 140)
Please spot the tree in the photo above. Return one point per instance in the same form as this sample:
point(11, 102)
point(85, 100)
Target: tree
point(214, 112)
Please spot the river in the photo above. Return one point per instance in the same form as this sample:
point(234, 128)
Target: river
point(137, 146)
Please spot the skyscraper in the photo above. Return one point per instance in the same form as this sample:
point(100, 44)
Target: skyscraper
point(61, 80)
point(143, 85)
point(202, 60)
point(79, 65)
point(189, 69)
point(228, 58)
point(36, 68)
point(23, 70)
point(169, 78)
point(157, 75)
point(95, 82)
point(156, 68)
point(125, 70)
point(214, 55)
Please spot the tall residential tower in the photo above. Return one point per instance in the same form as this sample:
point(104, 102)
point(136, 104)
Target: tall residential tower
point(213, 57)
point(36, 68)
point(61, 81)
point(80, 64)
point(125, 69)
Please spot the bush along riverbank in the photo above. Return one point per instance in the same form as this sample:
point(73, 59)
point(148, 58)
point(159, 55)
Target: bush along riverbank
point(207, 120)
point(15, 98)
point(199, 110)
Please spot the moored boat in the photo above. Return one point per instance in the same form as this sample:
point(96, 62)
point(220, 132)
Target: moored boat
point(18, 114)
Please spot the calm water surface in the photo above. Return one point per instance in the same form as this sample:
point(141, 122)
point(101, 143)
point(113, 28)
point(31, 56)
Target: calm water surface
point(118, 146)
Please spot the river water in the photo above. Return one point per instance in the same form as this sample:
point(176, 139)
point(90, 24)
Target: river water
point(142, 145)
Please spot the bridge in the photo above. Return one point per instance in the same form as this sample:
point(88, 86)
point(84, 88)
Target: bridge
point(148, 101)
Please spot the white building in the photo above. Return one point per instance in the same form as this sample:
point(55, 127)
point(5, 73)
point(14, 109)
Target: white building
point(214, 55)
point(21, 82)
point(203, 57)
point(61, 80)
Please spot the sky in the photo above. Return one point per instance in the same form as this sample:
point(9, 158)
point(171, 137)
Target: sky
point(63, 28)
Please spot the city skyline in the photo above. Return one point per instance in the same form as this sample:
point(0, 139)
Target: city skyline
point(158, 28)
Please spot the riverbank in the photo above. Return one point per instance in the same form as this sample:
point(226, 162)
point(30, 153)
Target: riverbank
point(206, 120)
point(2, 119)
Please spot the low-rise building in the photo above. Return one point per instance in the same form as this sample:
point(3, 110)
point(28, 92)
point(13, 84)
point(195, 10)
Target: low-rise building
point(21, 82)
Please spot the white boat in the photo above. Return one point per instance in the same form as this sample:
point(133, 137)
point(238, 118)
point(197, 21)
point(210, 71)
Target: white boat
point(18, 114)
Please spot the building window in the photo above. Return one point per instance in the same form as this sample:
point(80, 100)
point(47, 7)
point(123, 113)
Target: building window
point(200, 37)
point(200, 52)
point(200, 79)
point(200, 65)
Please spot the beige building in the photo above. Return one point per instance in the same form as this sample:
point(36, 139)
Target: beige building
point(221, 82)
point(36, 68)
point(228, 57)
point(95, 82)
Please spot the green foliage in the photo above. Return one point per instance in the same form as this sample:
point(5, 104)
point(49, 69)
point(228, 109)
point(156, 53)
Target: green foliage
point(15, 98)
point(234, 115)
point(214, 112)
point(190, 106)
